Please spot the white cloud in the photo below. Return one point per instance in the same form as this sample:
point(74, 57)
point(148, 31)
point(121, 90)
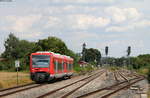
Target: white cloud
point(84, 1)
point(22, 23)
point(29, 35)
point(142, 23)
point(78, 38)
point(53, 22)
point(118, 28)
point(119, 15)
point(84, 35)
point(88, 21)
point(72, 9)
point(76, 21)
point(131, 26)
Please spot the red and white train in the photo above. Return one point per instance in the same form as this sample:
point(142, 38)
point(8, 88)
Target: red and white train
point(46, 66)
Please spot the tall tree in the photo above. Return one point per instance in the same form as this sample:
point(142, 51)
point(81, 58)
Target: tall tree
point(92, 55)
point(11, 44)
point(53, 44)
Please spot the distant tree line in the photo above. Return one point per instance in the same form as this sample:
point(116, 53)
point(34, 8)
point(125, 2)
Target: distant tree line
point(140, 63)
point(16, 49)
point(134, 62)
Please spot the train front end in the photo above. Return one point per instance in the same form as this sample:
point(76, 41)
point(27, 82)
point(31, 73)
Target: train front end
point(40, 66)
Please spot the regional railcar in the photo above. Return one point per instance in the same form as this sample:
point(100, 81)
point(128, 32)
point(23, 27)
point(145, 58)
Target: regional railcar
point(46, 66)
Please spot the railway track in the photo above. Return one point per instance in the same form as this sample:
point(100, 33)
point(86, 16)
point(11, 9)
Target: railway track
point(115, 76)
point(130, 74)
point(123, 76)
point(89, 79)
point(21, 88)
point(122, 82)
point(122, 87)
point(107, 91)
point(119, 76)
point(17, 89)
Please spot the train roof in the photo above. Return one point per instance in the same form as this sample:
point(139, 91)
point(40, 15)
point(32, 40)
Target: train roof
point(52, 53)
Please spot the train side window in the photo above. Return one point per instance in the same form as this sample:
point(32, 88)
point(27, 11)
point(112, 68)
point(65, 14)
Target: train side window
point(56, 65)
point(67, 65)
point(71, 66)
point(62, 65)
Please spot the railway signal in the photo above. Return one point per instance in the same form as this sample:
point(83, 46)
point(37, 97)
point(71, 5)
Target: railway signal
point(128, 54)
point(106, 50)
point(106, 53)
point(83, 51)
point(129, 51)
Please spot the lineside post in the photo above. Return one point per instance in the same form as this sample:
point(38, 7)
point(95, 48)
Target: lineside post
point(17, 65)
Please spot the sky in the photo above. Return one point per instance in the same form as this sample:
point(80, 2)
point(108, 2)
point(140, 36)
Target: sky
point(98, 23)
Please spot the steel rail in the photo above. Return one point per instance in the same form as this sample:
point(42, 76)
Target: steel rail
point(115, 76)
point(121, 88)
point(5, 89)
point(16, 91)
point(105, 88)
point(69, 93)
point(124, 77)
point(53, 91)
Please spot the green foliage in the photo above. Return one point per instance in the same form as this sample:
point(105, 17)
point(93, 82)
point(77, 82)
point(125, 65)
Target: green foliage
point(140, 61)
point(16, 49)
point(92, 55)
point(78, 69)
point(1, 66)
point(89, 68)
point(83, 70)
point(53, 44)
point(11, 47)
point(113, 68)
point(148, 76)
point(142, 64)
point(7, 65)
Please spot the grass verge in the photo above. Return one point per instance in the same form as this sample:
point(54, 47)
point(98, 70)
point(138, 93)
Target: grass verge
point(9, 79)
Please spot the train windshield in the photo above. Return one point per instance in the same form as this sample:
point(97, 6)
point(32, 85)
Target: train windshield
point(40, 61)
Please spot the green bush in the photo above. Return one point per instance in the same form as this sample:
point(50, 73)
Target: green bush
point(83, 70)
point(148, 76)
point(1, 66)
point(1, 85)
point(89, 68)
point(78, 69)
point(8, 65)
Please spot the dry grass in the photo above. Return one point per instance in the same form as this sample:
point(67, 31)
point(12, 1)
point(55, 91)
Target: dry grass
point(148, 93)
point(9, 79)
point(143, 71)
